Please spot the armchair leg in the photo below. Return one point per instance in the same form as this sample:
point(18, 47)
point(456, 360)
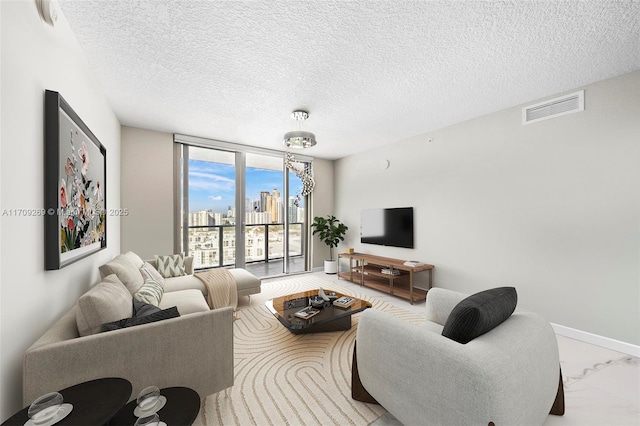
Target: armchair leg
point(557, 408)
point(358, 392)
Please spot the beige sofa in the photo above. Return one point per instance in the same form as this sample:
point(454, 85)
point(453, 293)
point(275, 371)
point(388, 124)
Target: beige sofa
point(193, 350)
point(246, 283)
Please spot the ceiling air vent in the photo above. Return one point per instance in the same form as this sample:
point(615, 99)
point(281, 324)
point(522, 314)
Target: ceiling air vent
point(553, 108)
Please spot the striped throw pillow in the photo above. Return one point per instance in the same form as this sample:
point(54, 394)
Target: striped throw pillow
point(171, 266)
point(151, 292)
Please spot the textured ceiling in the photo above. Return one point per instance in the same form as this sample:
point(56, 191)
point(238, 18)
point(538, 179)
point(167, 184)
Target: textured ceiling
point(369, 72)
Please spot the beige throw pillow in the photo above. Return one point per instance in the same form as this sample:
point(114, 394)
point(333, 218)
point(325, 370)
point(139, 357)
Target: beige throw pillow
point(127, 272)
point(105, 302)
point(134, 258)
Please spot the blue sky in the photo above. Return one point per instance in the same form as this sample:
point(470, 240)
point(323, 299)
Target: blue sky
point(212, 185)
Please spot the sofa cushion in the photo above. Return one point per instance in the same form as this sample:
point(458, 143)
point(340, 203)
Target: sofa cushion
point(246, 282)
point(480, 313)
point(143, 313)
point(105, 302)
point(126, 270)
point(187, 301)
point(171, 266)
point(186, 282)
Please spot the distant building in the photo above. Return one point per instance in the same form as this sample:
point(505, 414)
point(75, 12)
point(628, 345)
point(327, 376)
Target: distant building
point(252, 218)
point(276, 207)
point(296, 214)
point(202, 218)
point(205, 244)
point(217, 218)
point(262, 205)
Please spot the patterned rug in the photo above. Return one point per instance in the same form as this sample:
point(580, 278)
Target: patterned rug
point(287, 379)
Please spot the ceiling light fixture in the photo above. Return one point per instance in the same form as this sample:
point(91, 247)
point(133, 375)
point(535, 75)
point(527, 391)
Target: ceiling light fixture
point(299, 138)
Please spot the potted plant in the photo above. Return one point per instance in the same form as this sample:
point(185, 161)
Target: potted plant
point(330, 231)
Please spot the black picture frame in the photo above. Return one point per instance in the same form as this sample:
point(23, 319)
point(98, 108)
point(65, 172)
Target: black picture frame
point(75, 186)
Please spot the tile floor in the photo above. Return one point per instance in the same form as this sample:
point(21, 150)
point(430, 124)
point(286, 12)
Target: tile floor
point(274, 267)
point(602, 387)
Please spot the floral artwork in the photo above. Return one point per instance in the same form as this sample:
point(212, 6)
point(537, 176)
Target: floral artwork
point(75, 202)
point(81, 200)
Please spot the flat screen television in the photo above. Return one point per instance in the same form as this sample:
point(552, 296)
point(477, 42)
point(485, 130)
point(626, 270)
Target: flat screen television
point(387, 227)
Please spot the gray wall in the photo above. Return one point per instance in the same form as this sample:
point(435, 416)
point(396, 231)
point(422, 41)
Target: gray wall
point(321, 205)
point(36, 57)
point(147, 192)
point(552, 208)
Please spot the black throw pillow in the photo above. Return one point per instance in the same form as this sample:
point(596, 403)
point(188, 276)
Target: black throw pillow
point(141, 309)
point(143, 313)
point(480, 313)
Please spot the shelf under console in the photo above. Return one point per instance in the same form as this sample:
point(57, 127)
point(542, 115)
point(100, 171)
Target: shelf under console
point(389, 275)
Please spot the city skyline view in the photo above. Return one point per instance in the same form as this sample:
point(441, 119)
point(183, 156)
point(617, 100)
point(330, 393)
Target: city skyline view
point(212, 216)
point(212, 185)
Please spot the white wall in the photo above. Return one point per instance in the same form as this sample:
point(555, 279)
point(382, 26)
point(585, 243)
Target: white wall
point(36, 57)
point(552, 208)
point(147, 192)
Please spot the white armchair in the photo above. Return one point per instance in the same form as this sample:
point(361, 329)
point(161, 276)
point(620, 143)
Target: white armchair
point(507, 376)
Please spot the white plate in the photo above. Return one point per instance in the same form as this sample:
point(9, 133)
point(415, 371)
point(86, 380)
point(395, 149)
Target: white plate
point(63, 412)
point(162, 400)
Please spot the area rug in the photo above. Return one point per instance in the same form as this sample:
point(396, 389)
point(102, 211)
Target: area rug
point(287, 379)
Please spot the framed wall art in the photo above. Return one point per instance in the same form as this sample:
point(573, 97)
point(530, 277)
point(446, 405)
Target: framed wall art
point(75, 167)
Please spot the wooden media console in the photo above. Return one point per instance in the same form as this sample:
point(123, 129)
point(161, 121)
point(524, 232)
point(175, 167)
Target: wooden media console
point(389, 275)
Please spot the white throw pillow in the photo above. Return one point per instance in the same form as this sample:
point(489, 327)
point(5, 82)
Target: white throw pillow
point(150, 273)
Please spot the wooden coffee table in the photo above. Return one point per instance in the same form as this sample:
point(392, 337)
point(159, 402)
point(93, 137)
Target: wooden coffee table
point(330, 318)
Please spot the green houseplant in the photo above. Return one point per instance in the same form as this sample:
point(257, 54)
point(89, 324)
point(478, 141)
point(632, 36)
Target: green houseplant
point(330, 231)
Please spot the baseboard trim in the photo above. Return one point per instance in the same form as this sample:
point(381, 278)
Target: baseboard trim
point(594, 339)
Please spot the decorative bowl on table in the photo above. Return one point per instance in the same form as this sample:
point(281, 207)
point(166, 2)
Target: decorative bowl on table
point(48, 409)
point(316, 302)
point(149, 401)
point(332, 295)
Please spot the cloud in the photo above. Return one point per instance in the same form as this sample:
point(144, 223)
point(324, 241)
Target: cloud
point(211, 182)
point(215, 197)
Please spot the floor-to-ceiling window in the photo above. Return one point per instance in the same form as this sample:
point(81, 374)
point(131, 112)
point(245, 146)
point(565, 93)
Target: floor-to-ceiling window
point(209, 217)
point(240, 207)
